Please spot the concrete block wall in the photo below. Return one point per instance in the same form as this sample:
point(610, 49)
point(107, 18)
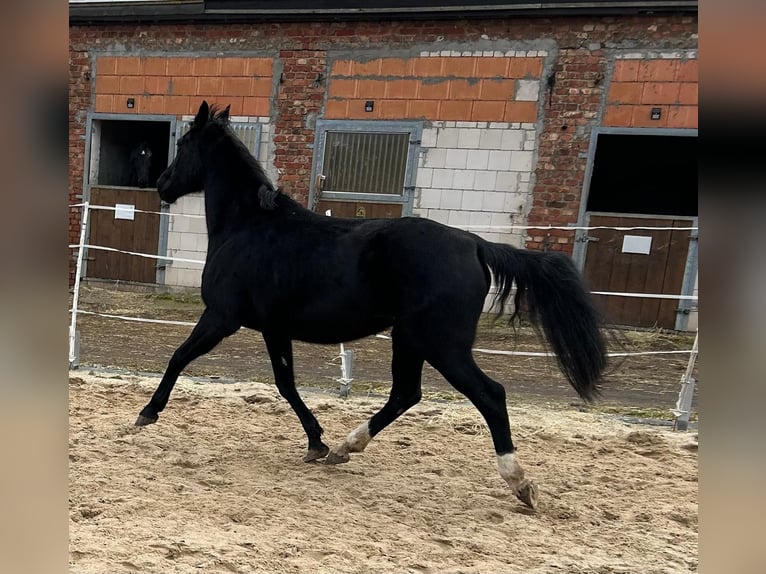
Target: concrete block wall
point(477, 176)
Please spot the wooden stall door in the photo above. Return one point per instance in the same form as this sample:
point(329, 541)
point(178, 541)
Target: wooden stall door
point(139, 235)
point(360, 209)
point(608, 268)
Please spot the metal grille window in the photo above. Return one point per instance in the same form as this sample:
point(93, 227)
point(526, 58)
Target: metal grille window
point(364, 162)
point(249, 134)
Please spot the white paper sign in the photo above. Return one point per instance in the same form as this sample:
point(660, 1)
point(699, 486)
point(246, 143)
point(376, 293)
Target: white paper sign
point(636, 244)
point(124, 211)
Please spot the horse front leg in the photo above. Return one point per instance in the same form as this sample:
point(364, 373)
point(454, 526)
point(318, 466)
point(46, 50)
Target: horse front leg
point(406, 372)
point(281, 354)
point(207, 333)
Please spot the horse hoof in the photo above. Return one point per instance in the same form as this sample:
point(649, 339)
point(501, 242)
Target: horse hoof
point(335, 458)
point(142, 421)
point(527, 493)
point(314, 454)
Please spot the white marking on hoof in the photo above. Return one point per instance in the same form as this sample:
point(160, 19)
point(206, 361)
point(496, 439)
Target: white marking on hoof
point(356, 441)
point(510, 470)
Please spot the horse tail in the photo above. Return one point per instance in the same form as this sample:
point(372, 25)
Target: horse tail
point(553, 295)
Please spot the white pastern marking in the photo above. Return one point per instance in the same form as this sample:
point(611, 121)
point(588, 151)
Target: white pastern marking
point(510, 469)
point(356, 441)
point(359, 438)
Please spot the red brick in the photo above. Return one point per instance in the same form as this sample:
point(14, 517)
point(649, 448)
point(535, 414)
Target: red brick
point(396, 67)
point(521, 112)
point(261, 87)
point(356, 111)
point(392, 109)
point(625, 92)
point(459, 67)
point(150, 104)
point(255, 106)
point(657, 70)
point(491, 67)
point(207, 66)
point(433, 91)
point(237, 86)
point(401, 89)
point(335, 109)
point(427, 109)
point(464, 90)
point(488, 111)
point(341, 68)
point(106, 65)
point(371, 68)
point(618, 116)
point(261, 67)
point(128, 66)
point(626, 71)
point(642, 117)
point(157, 85)
point(455, 110)
point(178, 105)
point(497, 89)
point(104, 103)
point(107, 84)
point(660, 93)
point(210, 85)
point(689, 94)
point(153, 66)
point(180, 86)
point(131, 85)
point(683, 117)
point(234, 67)
point(342, 88)
point(180, 67)
point(688, 71)
point(370, 88)
point(428, 67)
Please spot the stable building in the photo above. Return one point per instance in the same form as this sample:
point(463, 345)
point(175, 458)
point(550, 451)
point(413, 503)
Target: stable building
point(553, 126)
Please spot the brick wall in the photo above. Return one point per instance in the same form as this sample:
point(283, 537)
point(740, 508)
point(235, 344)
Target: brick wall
point(449, 85)
point(642, 83)
point(584, 53)
point(176, 86)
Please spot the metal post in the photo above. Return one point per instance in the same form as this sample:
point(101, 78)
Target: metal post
point(346, 369)
point(686, 394)
point(73, 339)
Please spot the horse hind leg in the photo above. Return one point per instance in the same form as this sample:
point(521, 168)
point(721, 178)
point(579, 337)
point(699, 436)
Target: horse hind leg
point(406, 371)
point(488, 397)
point(207, 333)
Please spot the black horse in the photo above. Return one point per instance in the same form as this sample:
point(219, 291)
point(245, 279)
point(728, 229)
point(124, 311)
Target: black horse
point(277, 267)
point(141, 165)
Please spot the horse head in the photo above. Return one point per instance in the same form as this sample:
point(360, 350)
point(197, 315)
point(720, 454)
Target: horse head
point(141, 164)
point(186, 174)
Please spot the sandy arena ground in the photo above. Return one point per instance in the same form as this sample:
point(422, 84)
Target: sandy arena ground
point(218, 486)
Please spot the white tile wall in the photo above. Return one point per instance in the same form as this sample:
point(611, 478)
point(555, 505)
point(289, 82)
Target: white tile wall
point(478, 175)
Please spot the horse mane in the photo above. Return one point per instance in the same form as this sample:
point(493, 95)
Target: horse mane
point(254, 175)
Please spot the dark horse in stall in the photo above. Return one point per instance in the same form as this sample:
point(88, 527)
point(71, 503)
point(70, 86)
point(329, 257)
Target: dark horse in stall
point(141, 165)
point(281, 269)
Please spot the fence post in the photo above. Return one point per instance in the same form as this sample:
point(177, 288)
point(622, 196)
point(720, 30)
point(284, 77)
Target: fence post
point(74, 358)
point(686, 394)
point(346, 369)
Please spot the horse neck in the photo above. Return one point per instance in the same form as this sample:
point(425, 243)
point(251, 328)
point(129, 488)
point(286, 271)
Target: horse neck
point(227, 205)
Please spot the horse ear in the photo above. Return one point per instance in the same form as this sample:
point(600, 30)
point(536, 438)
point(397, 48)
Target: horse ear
point(224, 115)
point(203, 114)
